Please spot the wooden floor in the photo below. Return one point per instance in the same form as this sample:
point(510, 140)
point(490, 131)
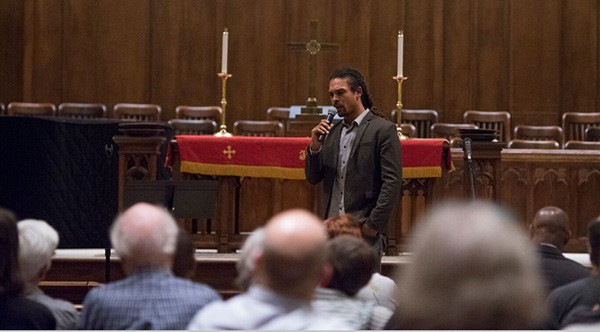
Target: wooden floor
point(82, 267)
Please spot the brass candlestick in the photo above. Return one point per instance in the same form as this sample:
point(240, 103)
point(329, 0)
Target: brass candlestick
point(223, 132)
point(400, 79)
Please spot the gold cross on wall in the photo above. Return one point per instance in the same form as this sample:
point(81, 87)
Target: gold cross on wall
point(229, 152)
point(312, 47)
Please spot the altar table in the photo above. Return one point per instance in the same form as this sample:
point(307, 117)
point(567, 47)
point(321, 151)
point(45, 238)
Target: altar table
point(246, 160)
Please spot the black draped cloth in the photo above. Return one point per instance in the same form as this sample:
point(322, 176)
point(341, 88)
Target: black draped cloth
point(61, 171)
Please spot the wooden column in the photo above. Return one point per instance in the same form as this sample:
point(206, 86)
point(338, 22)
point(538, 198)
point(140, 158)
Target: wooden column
point(486, 168)
point(138, 154)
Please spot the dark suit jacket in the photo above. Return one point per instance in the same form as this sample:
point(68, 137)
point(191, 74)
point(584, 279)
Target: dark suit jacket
point(373, 174)
point(558, 270)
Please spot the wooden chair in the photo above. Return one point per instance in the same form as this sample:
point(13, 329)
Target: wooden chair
point(592, 134)
point(533, 144)
point(499, 121)
point(539, 133)
point(194, 127)
point(31, 109)
point(268, 128)
point(574, 124)
point(199, 113)
point(82, 110)
point(408, 129)
point(421, 119)
point(281, 114)
point(137, 112)
point(582, 145)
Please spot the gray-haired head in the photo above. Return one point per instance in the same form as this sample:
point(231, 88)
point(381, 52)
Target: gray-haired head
point(37, 243)
point(145, 235)
point(245, 265)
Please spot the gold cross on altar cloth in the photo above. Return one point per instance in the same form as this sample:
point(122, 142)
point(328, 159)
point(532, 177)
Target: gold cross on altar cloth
point(313, 47)
point(229, 152)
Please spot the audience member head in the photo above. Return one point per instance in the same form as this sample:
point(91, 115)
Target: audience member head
point(11, 282)
point(37, 243)
point(144, 235)
point(343, 224)
point(292, 259)
point(473, 268)
point(245, 264)
point(550, 225)
point(594, 242)
point(184, 263)
point(352, 262)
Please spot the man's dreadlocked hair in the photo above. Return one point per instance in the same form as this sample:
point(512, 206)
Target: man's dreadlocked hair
point(355, 80)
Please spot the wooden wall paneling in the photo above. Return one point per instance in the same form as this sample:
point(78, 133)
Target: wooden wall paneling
point(124, 52)
point(269, 49)
point(438, 59)
point(596, 47)
point(383, 46)
point(458, 43)
point(297, 194)
point(240, 19)
point(184, 43)
point(535, 58)
point(167, 32)
point(535, 67)
point(247, 50)
point(566, 179)
point(79, 63)
point(579, 55)
point(43, 40)
point(423, 51)
point(587, 180)
point(198, 54)
point(491, 56)
point(11, 50)
point(255, 193)
point(331, 18)
point(353, 31)
point(549, 188)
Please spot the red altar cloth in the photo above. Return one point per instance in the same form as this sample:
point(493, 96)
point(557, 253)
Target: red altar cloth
point(283, 157)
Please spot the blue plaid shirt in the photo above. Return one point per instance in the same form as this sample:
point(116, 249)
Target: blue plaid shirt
point(152, 298)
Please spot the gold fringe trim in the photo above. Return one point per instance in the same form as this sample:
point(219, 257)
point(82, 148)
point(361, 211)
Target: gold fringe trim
point(241, 170)
point(287, 173)
point(421, 172)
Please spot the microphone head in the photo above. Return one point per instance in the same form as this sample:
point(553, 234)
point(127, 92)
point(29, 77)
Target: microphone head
point(330, 115)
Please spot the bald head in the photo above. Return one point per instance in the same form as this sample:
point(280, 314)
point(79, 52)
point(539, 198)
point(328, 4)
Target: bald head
point(145, 235)
point(293, 254)
point(550, 225)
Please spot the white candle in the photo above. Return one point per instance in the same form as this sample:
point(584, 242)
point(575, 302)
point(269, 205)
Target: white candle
point(400, 53)
point(224, 51)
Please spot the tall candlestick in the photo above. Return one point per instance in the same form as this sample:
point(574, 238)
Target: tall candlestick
point(224, 51)
point(400, 53)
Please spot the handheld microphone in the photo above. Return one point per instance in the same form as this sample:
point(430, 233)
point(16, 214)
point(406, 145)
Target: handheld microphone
point(468, 149)
point(330, 115)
